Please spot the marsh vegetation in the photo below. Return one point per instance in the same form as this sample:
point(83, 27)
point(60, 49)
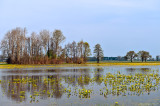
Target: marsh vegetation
point(101, 85)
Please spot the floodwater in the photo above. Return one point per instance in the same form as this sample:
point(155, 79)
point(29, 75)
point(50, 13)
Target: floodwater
point(80, 86)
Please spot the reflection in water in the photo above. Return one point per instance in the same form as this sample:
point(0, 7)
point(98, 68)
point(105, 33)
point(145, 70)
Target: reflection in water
point(98, 75)
point(15, 87)
point(44, 86)
point(138, 69)
point(79, 83)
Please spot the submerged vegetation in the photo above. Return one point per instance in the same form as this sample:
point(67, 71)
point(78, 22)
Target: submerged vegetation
point(35, 88)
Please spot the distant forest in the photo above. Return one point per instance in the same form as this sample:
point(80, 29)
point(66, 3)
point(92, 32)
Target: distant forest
point(42, 48)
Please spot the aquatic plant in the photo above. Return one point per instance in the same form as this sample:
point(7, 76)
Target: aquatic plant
point(115, 84)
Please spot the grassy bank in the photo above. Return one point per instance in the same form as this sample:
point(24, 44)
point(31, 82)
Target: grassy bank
point(126, 63)
point(115, 63)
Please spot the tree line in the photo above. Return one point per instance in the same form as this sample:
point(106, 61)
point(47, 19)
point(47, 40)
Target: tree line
point(44, 48)
point(143, 55)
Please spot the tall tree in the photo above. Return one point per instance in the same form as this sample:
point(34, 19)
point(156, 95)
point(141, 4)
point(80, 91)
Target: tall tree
point(74, 51)
point(67, 52)
point(98, 52)
point(20, 49)
point(58, 38)
point(13, 44)
point(45, 36)
point(80, 48)
point(6, 45)
point(87, 51)
point(131, 55)
point(144, 55)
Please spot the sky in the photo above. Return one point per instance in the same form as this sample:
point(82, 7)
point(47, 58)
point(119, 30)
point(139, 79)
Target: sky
point(117, 25)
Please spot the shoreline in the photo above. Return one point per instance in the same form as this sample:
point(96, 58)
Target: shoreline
point(19, 66)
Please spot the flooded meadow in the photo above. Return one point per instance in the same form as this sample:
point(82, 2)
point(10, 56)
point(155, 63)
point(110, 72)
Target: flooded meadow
point(81, 86)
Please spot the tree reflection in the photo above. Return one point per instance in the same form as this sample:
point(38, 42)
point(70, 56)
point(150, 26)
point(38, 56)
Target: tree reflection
point(98, 75)
point(60, 84)
point(42, 86)
point(134, 70)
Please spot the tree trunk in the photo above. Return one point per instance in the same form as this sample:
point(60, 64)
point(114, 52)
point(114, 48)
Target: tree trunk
point(131, 60)
point(98, 60)
point(145, 59)
point(142, 59)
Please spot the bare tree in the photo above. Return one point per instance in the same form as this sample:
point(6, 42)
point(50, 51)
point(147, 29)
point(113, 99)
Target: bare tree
point(13, 44)
point(6, 45)
point(87, 51)
point(45, 36)
point(58, 38)
point(36, 49)
point(74, 51)
point(67, 52)
point(80, 49)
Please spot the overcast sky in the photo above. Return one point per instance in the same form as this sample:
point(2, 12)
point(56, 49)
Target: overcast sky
point(118, 25)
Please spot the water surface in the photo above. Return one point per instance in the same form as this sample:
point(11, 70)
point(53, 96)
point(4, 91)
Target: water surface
point(78, 86)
